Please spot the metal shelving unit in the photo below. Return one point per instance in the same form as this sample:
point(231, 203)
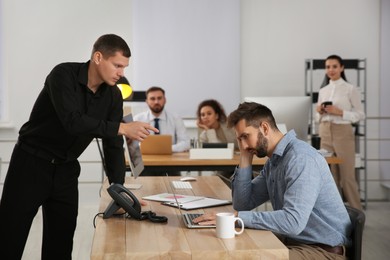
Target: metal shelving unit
point(356, 72)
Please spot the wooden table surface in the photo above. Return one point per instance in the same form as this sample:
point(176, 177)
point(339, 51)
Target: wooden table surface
point(182, 162)
point(122, 238)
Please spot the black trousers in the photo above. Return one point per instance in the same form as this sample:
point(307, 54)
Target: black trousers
point(32, 182)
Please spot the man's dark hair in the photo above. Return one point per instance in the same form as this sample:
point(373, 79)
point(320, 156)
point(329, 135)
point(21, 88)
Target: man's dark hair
point(109, 44)
point(216, 106)
point(253, 113)
point(154, 88)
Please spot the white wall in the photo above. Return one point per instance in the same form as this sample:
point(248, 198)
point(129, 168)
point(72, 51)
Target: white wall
point(37, 36)
point(40, 34)
point(276, 37)
point(201, 63)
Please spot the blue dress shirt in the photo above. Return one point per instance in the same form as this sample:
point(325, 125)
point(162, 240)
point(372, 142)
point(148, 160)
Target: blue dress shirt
point(307, 206)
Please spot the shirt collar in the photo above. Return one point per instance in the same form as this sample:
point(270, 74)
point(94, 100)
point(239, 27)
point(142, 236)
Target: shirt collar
point(281, 146)
point(83, 74)
point(162, 116)
point(337, 82)
point(83, 80)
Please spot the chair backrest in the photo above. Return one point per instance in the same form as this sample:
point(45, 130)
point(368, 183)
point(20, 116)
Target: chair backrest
point(358, 218)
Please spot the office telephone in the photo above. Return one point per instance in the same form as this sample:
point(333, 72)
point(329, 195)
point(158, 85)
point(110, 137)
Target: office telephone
point(123, 198)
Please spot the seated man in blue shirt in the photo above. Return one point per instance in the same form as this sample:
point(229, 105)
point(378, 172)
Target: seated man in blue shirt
point(309, 215)
point(169, 124)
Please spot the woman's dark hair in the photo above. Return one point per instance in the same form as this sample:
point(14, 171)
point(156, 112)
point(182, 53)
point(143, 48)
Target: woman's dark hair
point(253, 113)
point(109, 44)
point(216, 106)
point(341, 62)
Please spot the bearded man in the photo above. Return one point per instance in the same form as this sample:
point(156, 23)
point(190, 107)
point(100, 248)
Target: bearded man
point(308, 213)
point(167, 123)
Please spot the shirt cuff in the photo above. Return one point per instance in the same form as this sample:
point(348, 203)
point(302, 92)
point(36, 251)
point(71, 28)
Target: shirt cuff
point(246, 217)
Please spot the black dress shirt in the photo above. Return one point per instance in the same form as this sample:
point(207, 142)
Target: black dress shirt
point(67, 115)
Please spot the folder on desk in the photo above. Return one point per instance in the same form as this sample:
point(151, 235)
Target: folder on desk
point(199, 204)
point(187, 202)
point(170, 197)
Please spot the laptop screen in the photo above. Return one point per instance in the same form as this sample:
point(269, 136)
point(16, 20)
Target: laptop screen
point(134, 152)
point(157, 144)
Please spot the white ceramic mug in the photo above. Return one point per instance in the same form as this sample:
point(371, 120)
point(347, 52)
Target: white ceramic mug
point(226, 225)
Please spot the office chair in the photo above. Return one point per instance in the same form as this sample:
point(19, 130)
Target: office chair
point(358, 218)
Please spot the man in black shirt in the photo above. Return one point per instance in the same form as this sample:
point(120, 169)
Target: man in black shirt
point(79, 101)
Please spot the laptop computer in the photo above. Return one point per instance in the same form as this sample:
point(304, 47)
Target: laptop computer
point(134, 156)
point(188, 217)
point(157, 144)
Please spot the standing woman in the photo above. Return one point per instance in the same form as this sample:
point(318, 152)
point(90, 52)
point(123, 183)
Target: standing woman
point(339, 105)
point(212, 123)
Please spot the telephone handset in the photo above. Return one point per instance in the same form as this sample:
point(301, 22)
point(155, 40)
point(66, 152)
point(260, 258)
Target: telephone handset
point(122, 198)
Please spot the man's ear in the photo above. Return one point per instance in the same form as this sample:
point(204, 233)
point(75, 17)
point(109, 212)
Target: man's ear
point(97, 57)
point(264, 128)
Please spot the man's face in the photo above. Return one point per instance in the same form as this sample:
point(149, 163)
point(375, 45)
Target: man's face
point(156, 101)
point(251, 139)
point(112, 68)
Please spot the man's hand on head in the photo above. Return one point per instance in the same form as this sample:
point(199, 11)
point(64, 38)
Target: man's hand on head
point(246, 157)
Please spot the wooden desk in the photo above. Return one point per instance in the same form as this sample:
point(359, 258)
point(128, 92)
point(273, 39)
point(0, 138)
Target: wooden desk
point(182, 162)
point(120, 238)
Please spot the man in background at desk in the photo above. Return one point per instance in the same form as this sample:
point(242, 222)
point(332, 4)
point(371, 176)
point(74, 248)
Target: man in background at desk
point(167, 123)
point(308, 213)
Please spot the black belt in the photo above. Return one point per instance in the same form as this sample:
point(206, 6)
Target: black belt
point(39, 153)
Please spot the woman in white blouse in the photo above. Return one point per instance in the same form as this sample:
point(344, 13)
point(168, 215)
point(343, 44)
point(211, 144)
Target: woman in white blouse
point(339, 106)
point(212, 123)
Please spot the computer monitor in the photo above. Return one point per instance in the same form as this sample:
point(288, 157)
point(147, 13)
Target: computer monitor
point(291, 111)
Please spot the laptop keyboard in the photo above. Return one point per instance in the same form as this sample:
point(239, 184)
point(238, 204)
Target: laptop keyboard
point(181, 185)
point(192, 216)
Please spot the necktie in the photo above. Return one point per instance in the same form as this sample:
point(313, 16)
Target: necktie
point(156, 125)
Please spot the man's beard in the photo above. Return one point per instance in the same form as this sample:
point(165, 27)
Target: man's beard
point(157, 109)
point(261, 145)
